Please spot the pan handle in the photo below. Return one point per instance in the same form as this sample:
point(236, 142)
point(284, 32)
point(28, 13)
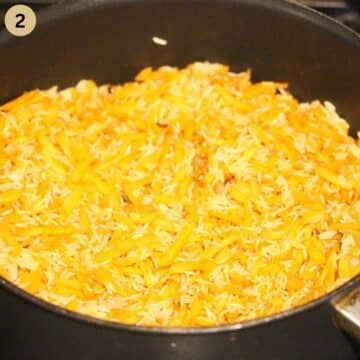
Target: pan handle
point(346, 311)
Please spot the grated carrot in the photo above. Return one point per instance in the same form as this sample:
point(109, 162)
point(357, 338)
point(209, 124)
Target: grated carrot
point(188, 197)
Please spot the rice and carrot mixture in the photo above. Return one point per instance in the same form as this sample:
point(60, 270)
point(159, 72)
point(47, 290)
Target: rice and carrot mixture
point(188, 197)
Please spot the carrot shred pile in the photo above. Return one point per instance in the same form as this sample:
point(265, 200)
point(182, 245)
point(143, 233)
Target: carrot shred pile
point(188, 197)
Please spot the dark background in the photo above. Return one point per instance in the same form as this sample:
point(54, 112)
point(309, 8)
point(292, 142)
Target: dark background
point(339, 9)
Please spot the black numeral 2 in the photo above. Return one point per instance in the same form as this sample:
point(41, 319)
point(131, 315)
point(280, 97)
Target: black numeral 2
point(20, 22)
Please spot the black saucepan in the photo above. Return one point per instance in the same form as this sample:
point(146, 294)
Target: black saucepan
point(110, 41)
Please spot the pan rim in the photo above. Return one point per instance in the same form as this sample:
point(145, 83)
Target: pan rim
point(229, 327)
point(60, 10)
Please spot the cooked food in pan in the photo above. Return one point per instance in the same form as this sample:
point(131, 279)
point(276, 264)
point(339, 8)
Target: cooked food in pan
point(188, 197)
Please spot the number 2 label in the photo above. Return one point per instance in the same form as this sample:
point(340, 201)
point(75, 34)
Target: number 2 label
point(20, 20)
point(20, 23)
